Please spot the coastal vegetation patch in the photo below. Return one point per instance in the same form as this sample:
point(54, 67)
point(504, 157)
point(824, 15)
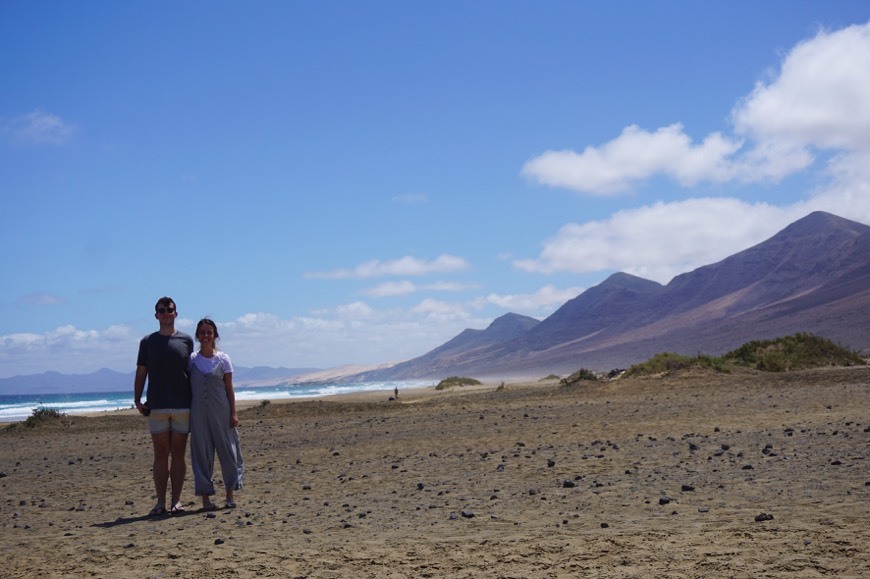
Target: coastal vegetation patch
point(453, 381)
point(41, 416)
point(801, 351)
point(581, 375)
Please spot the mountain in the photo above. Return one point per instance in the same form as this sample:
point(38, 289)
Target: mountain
point(103, 380)
point(813, 276)
point(467, 345)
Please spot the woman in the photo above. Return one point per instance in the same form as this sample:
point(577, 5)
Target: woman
point(213, 418)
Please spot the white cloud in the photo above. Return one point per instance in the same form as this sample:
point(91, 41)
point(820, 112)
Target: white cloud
point(411, 199)
point(405, 287)
point(41, 299)
point(659, 241)
point(545, 300)
point(404, 266)
point(437, 309)
point(632, 157)
point(391, 288)
point(37, 128)
point(70, 350)
point(353, 333)
point(354, 311)
point(820, 99)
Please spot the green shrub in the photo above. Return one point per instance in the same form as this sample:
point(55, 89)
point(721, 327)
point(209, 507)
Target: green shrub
point(795, 352)
point(456, 381)
point(579, 376)
point(671, 362)
point(43, 415)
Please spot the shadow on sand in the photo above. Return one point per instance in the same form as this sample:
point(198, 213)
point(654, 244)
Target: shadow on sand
point(127, 520)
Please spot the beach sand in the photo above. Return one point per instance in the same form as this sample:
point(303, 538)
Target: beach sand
point(654, 477)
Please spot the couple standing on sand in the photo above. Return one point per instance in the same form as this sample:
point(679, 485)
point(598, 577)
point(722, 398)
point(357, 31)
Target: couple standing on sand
point(188, 393)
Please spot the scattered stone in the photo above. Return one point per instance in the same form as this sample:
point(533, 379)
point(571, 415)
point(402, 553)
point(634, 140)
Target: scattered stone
point(836, 463)
point(568, 484)
point(3, 475)
point(748, 467)
point(420, 486)
point(468, 513)
point(605, 526)
point(210, 516)
point(703, 509)
point(687, 488)
point(664, 500)
point(763, 517)
point(551, 463)
point(219, 541)
point(306, 531)
point(499, 468)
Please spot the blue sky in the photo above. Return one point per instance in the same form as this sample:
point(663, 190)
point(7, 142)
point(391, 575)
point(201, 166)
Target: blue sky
point(357, 182)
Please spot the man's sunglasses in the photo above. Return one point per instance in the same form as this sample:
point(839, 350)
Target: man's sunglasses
point(165, 310)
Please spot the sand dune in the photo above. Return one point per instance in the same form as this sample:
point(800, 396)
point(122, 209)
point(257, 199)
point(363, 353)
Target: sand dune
point(631, 478)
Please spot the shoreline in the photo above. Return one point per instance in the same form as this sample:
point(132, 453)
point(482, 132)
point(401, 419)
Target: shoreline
point(406, 395)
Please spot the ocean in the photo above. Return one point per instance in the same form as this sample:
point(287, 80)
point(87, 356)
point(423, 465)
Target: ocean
point(17, 407)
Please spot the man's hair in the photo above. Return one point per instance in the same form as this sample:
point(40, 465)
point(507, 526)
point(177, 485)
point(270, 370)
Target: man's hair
point(166, 302)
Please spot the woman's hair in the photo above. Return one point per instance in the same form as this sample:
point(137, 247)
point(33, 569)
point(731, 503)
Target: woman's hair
point(208, 322)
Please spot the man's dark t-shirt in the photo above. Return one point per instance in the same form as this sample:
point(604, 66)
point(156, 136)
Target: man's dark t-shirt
point(166, 359)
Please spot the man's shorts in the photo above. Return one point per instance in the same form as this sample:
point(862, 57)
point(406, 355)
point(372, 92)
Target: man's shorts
point(169, 420)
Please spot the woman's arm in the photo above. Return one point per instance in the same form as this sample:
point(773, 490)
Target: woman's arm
point(231, 396)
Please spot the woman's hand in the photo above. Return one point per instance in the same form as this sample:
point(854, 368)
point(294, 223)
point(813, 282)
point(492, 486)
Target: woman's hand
point(234, 421)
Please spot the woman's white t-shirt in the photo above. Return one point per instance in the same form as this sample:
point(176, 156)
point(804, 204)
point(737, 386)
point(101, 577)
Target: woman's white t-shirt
point(206, 365)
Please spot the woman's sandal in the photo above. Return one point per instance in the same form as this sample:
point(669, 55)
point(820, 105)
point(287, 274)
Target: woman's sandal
point(209, 507)
point(177, 509)
point(231, 504)
point(158, 511)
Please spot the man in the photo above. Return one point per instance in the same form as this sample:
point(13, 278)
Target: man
point(162, 359)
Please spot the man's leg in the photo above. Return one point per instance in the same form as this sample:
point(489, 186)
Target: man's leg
point(179, 465)
point(162, 449)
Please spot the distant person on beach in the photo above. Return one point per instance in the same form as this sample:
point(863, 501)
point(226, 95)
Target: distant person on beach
point(162, 360)
point(213, 418)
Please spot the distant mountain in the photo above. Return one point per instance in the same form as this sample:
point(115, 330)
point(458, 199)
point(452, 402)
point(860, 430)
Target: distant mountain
point(265, 375)
point(105, 380)
point(467, 345)
point(813, 276)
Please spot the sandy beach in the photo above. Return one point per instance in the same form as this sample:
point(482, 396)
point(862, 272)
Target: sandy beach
point(695, 475)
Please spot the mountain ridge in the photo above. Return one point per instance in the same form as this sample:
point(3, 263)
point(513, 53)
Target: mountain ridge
point(812, 276)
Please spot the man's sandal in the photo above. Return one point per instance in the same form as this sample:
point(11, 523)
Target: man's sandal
point(158, 511)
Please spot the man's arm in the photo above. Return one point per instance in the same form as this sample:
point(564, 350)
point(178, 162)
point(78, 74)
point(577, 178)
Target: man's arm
point(139, 387)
